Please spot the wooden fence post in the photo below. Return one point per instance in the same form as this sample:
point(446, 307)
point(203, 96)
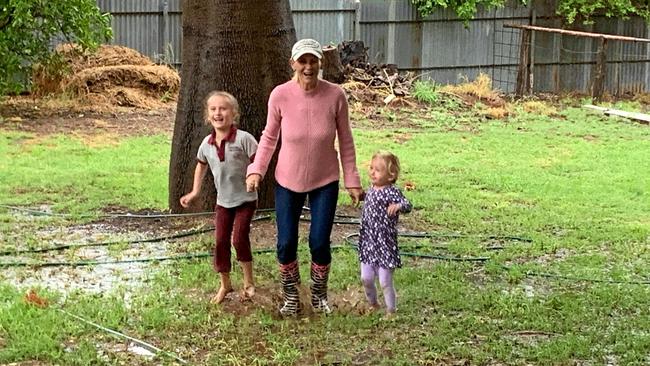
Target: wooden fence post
point(600, 71)
point(523, 77)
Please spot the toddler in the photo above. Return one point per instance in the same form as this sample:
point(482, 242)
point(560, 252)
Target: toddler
point(378, 252)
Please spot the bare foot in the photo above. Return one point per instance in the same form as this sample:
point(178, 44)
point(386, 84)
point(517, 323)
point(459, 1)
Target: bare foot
point(390, 316)
point(249, 291)
point(221, 294)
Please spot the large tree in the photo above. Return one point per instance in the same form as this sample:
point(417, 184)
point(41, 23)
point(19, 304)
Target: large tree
point(27, 28)
point(240, 46)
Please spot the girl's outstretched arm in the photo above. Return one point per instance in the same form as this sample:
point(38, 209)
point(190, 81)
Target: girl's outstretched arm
point(199, 173)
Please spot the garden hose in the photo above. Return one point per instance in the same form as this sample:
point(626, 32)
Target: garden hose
point(422, 255)
point(107, 243)
point(350, 244)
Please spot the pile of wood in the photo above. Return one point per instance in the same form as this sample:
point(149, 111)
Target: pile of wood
point(348, 65)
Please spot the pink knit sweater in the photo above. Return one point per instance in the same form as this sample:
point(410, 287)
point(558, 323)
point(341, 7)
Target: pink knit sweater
point(309, 122)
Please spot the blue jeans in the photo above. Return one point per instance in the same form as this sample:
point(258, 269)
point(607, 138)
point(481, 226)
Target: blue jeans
point(288, 207)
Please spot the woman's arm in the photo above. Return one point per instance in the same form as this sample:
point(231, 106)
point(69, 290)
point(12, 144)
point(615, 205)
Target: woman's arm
point(347, 150)
point(269, 139)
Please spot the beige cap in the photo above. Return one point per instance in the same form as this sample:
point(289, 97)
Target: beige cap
point(306, 45)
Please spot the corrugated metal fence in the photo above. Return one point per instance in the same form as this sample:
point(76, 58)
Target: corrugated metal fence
point(438, 47)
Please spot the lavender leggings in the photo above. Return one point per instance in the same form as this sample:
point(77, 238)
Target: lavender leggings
point(368, 275)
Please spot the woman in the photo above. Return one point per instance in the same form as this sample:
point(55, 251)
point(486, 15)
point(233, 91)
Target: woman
point(307, 113)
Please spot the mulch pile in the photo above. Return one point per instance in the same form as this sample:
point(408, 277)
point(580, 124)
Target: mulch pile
point(113, 75)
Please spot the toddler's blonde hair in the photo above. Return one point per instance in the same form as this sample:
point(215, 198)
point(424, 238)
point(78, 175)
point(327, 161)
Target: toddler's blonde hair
point(231, 100)
point(391, 161)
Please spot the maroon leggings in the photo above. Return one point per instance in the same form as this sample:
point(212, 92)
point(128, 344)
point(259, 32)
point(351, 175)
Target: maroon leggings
point(235, 223)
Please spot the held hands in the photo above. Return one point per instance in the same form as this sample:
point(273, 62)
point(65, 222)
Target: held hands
point(186, 199)
point(393, 209)
point(253, 182)
point(355, 195)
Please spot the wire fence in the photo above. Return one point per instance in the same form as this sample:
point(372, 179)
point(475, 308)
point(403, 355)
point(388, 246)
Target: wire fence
point(535, 58)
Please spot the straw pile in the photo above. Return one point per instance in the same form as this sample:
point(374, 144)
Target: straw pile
point(113, 75)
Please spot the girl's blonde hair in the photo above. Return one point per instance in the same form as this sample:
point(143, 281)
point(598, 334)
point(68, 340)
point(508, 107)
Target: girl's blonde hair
point(391, 161)
point(231, 100)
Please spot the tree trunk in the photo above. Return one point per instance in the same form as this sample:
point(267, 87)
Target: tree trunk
point(242, 47)
point(332, 68)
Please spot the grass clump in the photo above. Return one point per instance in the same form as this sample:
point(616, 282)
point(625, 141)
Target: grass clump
point(425, 92)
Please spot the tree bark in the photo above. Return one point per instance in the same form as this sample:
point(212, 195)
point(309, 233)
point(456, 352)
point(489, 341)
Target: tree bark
point(242, 47)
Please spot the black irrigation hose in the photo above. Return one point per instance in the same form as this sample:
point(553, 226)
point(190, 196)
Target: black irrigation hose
point(96, 263)
point(122, 261)
point(422, 255)
point(349, 246)
point(107, 243)
point(497, 237)
point(343, 222)
point(136, 260)
point(267, 250)
point(132, 215)
point(124, 215)
point(577, 279)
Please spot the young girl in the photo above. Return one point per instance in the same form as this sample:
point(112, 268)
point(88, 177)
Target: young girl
point(228, 152)
point(378, 252)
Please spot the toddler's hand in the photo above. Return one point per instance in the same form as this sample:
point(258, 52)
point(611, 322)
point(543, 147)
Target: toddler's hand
point(393, 209)
point(186, 199)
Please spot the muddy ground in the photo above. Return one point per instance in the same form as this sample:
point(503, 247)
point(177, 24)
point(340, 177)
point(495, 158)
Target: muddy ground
point(35, 116)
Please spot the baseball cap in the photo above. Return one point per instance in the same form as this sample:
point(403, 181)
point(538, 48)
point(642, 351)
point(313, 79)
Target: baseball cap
point(306, 45)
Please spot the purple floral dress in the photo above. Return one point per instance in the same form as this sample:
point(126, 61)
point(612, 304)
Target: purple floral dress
point(378, 234)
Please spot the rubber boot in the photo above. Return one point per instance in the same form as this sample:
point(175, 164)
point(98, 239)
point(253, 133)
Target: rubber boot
point(319, 278)
point(290, 278)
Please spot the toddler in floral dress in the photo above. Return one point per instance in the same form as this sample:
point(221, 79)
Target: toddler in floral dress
point(378, 251)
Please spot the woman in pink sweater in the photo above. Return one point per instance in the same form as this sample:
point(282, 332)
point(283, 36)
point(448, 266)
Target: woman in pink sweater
point(307, 114)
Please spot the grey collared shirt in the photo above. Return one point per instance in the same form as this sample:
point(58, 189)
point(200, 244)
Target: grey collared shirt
point(230, 174)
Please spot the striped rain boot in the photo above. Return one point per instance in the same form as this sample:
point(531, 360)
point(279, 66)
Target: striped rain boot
point(319, 277)
point(290, 278)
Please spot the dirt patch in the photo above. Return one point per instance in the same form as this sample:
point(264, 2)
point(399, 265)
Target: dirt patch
point(54, 116)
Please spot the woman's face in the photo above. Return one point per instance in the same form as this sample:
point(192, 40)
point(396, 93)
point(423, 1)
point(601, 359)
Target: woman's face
point(306, 69)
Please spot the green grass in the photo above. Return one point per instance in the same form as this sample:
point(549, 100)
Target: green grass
point(576, 183)
point(425, 91)
point(53, 169)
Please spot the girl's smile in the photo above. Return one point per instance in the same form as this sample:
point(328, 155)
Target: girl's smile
point(220, 113)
